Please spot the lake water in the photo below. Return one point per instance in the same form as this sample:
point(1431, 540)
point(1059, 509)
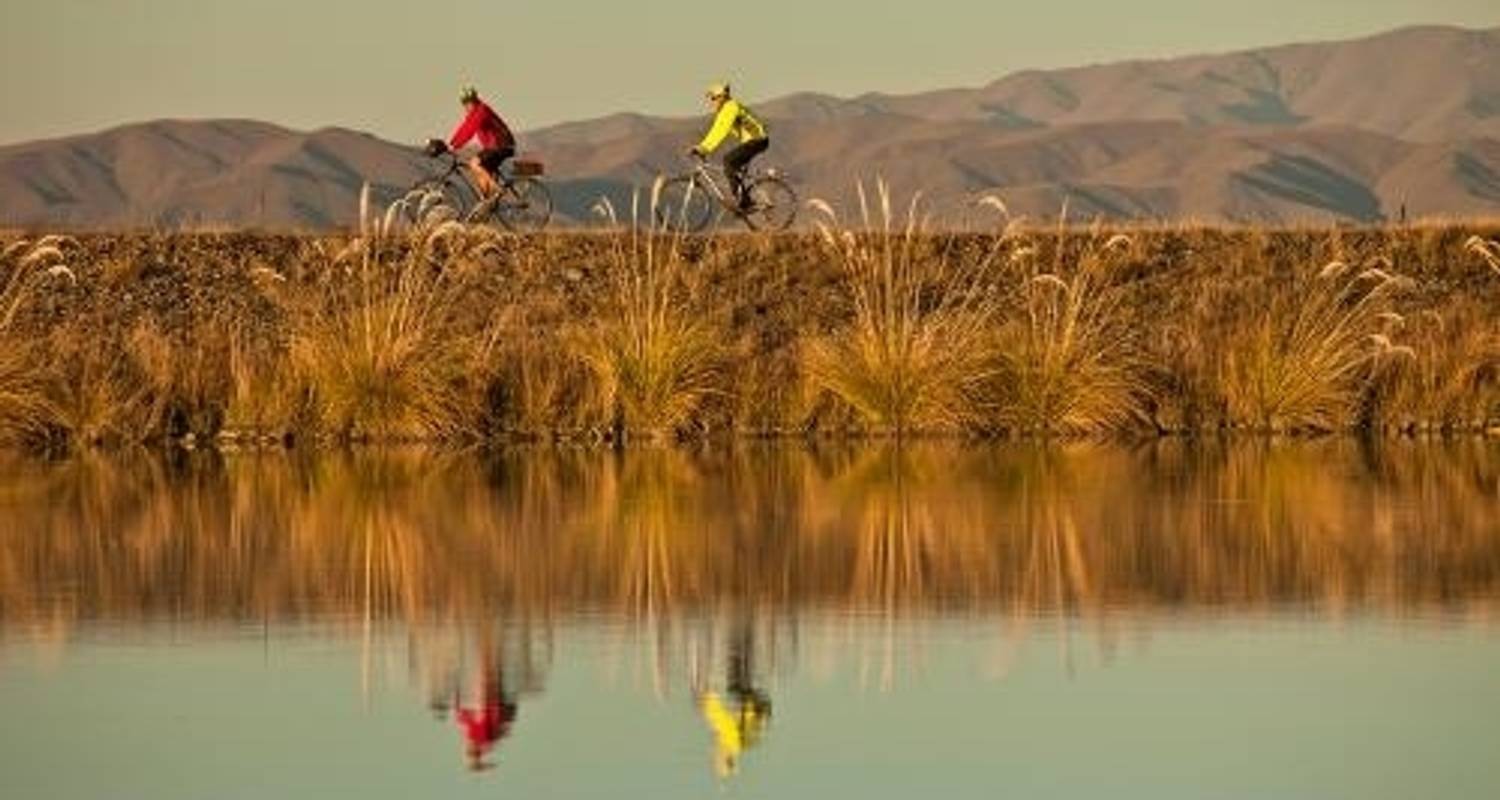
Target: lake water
point(1257, 620)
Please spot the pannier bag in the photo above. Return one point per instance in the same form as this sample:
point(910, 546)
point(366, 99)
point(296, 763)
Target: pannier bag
point(528, 167)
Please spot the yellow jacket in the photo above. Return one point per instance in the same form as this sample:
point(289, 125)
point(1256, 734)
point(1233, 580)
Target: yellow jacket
point(732, 117)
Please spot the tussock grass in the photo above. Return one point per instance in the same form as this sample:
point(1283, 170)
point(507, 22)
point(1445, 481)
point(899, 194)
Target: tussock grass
point(1445, 377)
point(1314, 352)
point(28, 271)
point(381, 351)
point(915, 355)
point(420, 328)
point(92, 397)
point(186, 379)
point(544, 389)
point(1070, 360)
point(24, 412)
point(1487, 249)
point(653, 346)
point(265, 400)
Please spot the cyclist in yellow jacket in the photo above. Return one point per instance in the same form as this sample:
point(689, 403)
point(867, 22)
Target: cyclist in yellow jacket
point(731, 116)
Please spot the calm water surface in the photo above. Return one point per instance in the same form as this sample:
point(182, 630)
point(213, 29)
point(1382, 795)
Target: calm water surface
point(1261, 620)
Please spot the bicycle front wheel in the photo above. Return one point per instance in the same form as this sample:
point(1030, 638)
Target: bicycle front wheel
point(773, 205)
point(526, 207)
point(683, 206)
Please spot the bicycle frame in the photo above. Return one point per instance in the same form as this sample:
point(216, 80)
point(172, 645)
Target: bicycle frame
point(704, 177)
point(706, 174)
point(522, 202)
point(459, 167)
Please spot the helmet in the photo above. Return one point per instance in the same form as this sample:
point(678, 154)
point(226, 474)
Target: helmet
point(468, 95)
point(718, 91)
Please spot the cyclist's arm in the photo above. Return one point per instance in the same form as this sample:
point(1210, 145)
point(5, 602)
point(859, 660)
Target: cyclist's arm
point(723, 124)
point(465, 131)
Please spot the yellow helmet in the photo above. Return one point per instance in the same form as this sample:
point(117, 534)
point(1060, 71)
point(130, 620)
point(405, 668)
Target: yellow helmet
point(718, 91)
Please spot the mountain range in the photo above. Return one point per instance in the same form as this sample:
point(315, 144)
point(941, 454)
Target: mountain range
point(1366, 130)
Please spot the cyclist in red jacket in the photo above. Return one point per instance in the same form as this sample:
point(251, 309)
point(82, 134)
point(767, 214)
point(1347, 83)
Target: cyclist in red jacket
point(496, 144)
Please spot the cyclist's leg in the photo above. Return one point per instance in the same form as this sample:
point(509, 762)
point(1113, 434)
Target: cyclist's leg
point(497, 158)
point(737, 161)
point(488, 164)
point(734, 169)
point(483, 180)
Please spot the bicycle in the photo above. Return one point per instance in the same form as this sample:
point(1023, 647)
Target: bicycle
point(686, 202)
point(523, 204)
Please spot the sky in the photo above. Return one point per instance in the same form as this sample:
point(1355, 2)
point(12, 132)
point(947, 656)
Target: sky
point(75, 66)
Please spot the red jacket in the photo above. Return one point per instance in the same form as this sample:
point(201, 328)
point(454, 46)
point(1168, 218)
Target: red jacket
point(484, 123)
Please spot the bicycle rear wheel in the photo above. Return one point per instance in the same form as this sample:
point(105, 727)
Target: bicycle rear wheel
point(773, 205)
point(525, 206)
point(683, 206)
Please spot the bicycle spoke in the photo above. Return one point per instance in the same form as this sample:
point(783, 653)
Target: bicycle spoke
point(773, 205)
point(682, 205)
point(528, 206)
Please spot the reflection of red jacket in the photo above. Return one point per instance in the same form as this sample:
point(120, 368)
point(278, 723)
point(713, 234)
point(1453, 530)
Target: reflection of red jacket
point(483, 122)
point(485, 726)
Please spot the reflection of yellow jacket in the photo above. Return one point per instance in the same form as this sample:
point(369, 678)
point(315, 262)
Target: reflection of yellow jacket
point(733, 732)
point(728, 743)
point(732, 118)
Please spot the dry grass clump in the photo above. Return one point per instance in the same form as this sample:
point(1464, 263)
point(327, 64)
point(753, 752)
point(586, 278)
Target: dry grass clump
point(382, 349)
point(543, 389)
point(653, 346)
point(423, 328)
point(186, 379)
point(1071, 360)
point(1487, 249)
point(916, 353)
point(987, 340)
point(92, 397)
point(1314, 353)
point(28, 270)
point(22, 405)
point(1450, 381)
point(265, 401)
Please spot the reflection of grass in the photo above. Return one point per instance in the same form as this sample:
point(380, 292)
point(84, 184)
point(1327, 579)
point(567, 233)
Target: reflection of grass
point(658, 531)
point(651, 535)
point(1056, 575)
point(912, 540)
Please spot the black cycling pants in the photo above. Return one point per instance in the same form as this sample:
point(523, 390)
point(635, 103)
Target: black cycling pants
point(491, 158)
point(736, 160)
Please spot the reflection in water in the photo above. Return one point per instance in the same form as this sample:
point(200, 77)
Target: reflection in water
point(709, 565)
point(488, 713)
point(738, 716)
point(643, 534)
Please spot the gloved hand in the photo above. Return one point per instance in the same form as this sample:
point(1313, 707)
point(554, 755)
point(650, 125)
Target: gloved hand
point(435, 147)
